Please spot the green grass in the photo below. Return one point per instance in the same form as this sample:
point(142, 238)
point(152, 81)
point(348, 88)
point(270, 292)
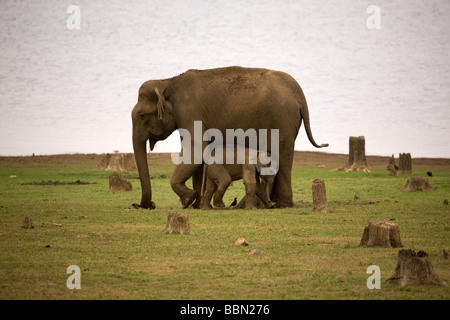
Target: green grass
point(123, 253)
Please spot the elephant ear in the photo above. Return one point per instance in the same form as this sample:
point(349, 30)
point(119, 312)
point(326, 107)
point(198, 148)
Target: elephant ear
point(160, 104)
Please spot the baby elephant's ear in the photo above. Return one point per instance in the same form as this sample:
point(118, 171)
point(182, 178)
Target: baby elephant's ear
point(160, 104)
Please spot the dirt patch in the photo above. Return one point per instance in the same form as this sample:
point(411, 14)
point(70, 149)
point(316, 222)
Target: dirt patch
point(56, 183)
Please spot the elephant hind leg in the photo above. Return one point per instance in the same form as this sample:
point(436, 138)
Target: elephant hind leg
point(205, 203)
point(282, 188)
point(221, 189)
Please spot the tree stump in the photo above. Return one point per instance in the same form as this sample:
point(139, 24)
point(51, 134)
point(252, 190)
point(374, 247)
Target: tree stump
point(319, 196)
point(392, 167)
point(404, 164)
point(117, 162)
point(414, 269)
point(104, 161)
point(117, 183)
point(357, 155)
point(27, 223)
point(381, 233)
point(417, 184)
point(178, 223)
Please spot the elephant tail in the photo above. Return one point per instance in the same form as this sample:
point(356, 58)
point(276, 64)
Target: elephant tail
point(304, 112)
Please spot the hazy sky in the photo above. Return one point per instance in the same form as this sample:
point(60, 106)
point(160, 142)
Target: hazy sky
point(67, 90)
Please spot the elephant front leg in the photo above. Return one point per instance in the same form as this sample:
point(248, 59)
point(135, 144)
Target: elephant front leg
point(250, 181)
point(180, 175)
point(250, 195)
point(197, 180)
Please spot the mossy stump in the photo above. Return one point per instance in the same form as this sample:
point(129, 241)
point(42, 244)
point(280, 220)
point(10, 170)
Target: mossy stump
point(381, 233)
point(319, 196)
point(414, 269)
point(177, 223)
point(118, 183)
point(417, 184)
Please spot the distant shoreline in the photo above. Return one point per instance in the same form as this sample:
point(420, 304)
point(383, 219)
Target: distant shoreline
point(301, 158)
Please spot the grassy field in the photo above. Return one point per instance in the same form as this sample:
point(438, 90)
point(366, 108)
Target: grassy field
point(123, 254)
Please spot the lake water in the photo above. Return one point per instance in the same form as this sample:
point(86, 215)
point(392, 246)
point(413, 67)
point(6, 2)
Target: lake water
point(67, 91)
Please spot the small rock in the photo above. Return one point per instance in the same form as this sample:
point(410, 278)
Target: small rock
point(446, 202)
point(47, 246)
point(57, 224)
point(240, 242)
point(13, 176)
point(445, 252)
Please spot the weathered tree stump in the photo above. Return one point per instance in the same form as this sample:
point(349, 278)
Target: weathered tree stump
point(357, 155)
point(319, 196)
point(104, 161)
point(417, 184)
point(392, 167)
point(117, 183)
point(414, 269)
point(117, 162)
point(404, 164)
point(177, 223)
point(381, 233)
point(27, 223)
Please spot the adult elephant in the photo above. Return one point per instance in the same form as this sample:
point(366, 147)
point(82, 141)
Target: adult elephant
point(223, 98)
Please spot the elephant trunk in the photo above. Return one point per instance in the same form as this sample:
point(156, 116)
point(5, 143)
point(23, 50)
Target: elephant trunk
point(140, 154)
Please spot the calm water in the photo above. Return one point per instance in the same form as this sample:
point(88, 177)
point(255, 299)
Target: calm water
point(68, 90)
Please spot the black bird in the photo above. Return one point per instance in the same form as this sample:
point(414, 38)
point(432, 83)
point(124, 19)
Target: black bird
point(429, 174)
point(234, 202)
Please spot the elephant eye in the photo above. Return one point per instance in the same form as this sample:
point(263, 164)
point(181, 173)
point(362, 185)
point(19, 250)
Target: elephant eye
point(141, 116)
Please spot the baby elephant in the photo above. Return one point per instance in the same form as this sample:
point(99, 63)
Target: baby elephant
point(218, 178)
